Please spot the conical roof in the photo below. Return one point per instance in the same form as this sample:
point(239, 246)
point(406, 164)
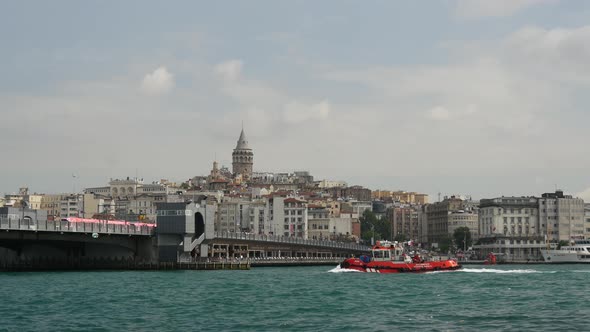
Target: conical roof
point(242, 142)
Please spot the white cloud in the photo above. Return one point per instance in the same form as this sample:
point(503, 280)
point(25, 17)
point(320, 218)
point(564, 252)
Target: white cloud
point(296, 112)
point(159, 82)
point(439, 113)
point(585, 195)
point(555, 50)
point(230, 70)
point(494, 8)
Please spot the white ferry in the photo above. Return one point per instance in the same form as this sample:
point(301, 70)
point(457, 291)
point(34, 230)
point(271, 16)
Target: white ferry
point(577, 253)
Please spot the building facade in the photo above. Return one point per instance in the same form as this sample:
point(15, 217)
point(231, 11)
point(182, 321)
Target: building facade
point(517, 228)
point(561, 216)
point(438, 218)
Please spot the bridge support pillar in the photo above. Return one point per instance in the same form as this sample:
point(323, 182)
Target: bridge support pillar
point(181, 230)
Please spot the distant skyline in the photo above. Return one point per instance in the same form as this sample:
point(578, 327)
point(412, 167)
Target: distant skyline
point(470, 97)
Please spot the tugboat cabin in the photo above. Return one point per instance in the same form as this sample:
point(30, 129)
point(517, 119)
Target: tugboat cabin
point(387, 251)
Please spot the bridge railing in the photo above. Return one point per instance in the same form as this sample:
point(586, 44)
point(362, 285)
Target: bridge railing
point(290, 240)
point(73, 227)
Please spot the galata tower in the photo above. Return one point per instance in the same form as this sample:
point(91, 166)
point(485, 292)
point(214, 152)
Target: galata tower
point(242, 158)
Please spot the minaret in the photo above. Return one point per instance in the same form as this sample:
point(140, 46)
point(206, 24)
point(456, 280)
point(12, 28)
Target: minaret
point(242, 157)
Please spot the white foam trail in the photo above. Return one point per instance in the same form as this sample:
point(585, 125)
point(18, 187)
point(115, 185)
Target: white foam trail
point(499, 271)
point(338, 269)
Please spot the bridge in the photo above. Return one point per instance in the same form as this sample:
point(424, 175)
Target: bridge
point(228, 244)
point(65, 243)
point(184, 232)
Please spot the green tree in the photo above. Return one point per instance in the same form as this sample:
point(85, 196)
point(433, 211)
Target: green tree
point(184, 186)
point(445, 243)
point(462, 237)
point(371, 226)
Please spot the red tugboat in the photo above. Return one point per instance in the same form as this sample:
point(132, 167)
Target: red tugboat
point(388, 257)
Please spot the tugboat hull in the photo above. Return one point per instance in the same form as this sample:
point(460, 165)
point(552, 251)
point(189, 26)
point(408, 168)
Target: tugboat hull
point(399, 267)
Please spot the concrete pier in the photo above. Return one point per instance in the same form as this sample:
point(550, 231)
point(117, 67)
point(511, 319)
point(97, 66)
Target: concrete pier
point(50, 264)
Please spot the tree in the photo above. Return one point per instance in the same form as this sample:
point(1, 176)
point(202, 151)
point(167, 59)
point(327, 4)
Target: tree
point(445, 243)
point(371, 226)
point(462, 237)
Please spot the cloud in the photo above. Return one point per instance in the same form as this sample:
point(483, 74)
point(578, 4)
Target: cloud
point(585, 195)
point(473, 9)
point(159, 82)
point(296, 112)
point(439, 113)
point(553, 50)
point(230, 70)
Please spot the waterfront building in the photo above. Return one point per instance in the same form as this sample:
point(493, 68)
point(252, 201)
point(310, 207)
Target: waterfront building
point(518, 227)
point(464, 218)
point(510, 216)
point(587, 222)
point(561, 216)
point(438, 218)
point(242, 158)
point(405, 221)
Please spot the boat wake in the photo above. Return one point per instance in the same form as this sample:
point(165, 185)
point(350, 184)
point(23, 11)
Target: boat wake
point(338, 269)
point(498, 271)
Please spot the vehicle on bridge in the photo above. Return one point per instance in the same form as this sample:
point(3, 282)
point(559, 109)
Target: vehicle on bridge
point(390, 257)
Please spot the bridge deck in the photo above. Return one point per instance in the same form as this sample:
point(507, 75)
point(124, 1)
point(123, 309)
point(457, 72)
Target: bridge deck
point(101, 227)
point(290, 240)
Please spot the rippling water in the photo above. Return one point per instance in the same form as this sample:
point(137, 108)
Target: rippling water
point(509, 297)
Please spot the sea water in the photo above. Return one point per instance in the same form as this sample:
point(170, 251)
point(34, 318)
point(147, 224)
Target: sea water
point(320, 298)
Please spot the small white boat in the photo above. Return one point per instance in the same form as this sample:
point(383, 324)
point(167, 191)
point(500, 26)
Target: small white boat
point(579, 252)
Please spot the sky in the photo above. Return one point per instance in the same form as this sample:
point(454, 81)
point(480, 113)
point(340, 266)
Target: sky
point(457, 97)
